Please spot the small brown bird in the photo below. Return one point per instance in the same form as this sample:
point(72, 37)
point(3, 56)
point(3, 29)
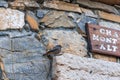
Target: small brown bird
point(53, 52)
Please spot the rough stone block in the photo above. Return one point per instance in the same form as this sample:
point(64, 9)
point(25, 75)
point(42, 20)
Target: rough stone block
point(23, 59)
point(83, 20)
point(3, 4)
point(26, 44)
point(5, 43)
point(88, 12)
point(104, 57)
point(70, 41)
point(109, 16)
point(54, 19)
point(22, 4)
point(109, 24)
point(11, 19)
point(110, 2)
point(65, 6)
point(97, 5)
point(72, 67)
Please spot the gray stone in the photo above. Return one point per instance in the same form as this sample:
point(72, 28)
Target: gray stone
point(23, 59)
point(4, 52)
point(72, 67)
point(27, 27)
point(89, 12)
point(5, 43)
point(26, 43)
point(56, 4)
point(3, 4)
point(15, 33)
point(74, 16)
point(55, 19)
point(83, 20)
point(40, 13)
point(31, 3)
point(22, 4)
point(18, 34)
point(11, 19)
point(109, 24)
point(71, 41)
point(28, 77)
point(97, 5)
point(34, 70)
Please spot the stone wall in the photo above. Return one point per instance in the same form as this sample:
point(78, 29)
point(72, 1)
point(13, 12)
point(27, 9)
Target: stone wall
point(29, 28)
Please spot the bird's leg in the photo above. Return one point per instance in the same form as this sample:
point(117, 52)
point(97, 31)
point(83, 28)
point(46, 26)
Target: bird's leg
point(50, 68)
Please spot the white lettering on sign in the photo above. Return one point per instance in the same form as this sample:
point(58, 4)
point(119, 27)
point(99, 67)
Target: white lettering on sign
point(104, 39)
point(107, 32)
point(115, 35)
point(95, 37)
point(114, 41)
point(102, 47)
point(107, 40)
point(108, 48)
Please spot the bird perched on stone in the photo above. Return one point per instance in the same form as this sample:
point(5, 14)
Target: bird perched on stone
point(54, 52)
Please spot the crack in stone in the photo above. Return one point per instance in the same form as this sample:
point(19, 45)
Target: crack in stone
point(22, 36)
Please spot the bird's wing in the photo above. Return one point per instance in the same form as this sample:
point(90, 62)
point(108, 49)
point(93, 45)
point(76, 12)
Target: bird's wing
point(53, 50)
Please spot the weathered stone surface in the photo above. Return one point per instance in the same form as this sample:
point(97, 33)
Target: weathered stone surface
point(22, 4)
point(24, 56)
point(109, 16)
point(104, 57)
point(4, 52)
point(72, 67)
point(17, 5)
point(32, 20)
point(67, 0)
point(31, 3)
point(11, 19)
point(25, 43)
point(57, 19)
point(3, 4)
point(5, 43)
point(83, 20)
point(88, 12)
point(109, 24)
point(71, 41)
point(15, 33)
point(35, 70)
point(40, 14)
point(55, 4)
point(110, 2)
point(75, 16)
point(27, 27)
point(96, 5)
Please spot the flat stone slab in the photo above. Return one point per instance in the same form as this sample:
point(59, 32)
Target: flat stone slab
point(11, 19)
point(72, 67)
point(71, 41)
point(54, 19)
point(97, 5)
point(22, 58)
point(65, 6)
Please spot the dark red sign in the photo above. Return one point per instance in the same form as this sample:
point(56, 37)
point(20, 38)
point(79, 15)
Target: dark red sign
point(104, 40)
